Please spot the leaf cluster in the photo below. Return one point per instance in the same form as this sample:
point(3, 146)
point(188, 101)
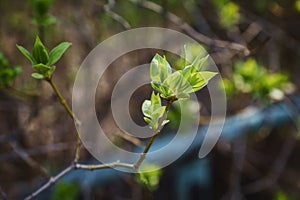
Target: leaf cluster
point(42, 60)
point(173, 86)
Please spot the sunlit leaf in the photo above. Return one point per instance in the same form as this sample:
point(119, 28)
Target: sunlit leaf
point(159, 69)
point(58, 52)
point(39, 52)
point(26, 53)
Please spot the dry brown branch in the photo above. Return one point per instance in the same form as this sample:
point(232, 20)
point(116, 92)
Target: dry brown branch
point(24, 155)
point(190, 30)
point(75, 166)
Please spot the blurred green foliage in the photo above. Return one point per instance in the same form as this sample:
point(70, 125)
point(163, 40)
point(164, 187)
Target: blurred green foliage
point(149, 176)
point(65, 191)
point(297, 5)
point(251, 77)
point(7, 73)
point(228, 13)
point(41, 12)
point(280, 195)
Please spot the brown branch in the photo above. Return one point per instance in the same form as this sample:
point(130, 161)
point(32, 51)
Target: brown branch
point(24, 155)
point(50, 182)
point(190, 30)
point(38, 150)
point(156, 132)
point(64, 103)
point(75, 166)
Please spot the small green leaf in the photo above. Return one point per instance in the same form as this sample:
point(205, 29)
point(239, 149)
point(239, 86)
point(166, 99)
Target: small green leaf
point(153, 111)
point(146, 108)
point(41, 68)
point(26, 54)
point(178, 84)
point(159, 69)
point(58, 52)
point(200, 62)
point(208, 75)
point(39, 52)
point(37, 76)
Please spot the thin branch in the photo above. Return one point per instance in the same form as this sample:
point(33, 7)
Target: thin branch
point(24, 155)
point(190, 30)
point(50, 182)
point(149, 144)
point(38, 150)
point(104, 166)
point(129, 138)
point(75, 166)
point(71, 114)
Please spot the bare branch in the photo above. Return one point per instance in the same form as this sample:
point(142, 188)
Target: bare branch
point(190, 30)
point(50, 182)
point(24, 155)
point(75, 166)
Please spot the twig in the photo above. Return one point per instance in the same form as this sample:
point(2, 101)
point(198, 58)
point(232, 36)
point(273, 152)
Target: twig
point(104, 166)
point(156, 132)
point(71, 114)
point(190, 30)
point(50, 182)
point(38, 150)
point(24, 155)
point(117, 17)
point(75, 166)
point(129, 138)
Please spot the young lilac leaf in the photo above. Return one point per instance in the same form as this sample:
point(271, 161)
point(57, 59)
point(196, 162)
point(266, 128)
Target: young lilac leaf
point(155, 100)
point(178, 84)
point(200, 62)
point(159, 69)
point(39, 52)
point(208, 75)
point(184, 52)
point(26, 53)
point(165, 122)
point(153, 111)
point(57, 52)
point(37, 76)
point(202, 79)
point(146, 108)
point(148, 120)
point(156, 86)
point(41, 68)
point(166, 92)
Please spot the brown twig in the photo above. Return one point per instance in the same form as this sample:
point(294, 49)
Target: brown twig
point(24, 155)
point(71, 114)
point(38, 150)
point(75, 166)
point(156, 132)
point(190, 30)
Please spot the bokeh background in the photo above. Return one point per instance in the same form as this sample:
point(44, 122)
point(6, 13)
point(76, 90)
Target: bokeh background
point(255, 44)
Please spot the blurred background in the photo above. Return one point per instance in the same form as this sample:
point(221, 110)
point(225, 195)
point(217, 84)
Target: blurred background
point(256, 47)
